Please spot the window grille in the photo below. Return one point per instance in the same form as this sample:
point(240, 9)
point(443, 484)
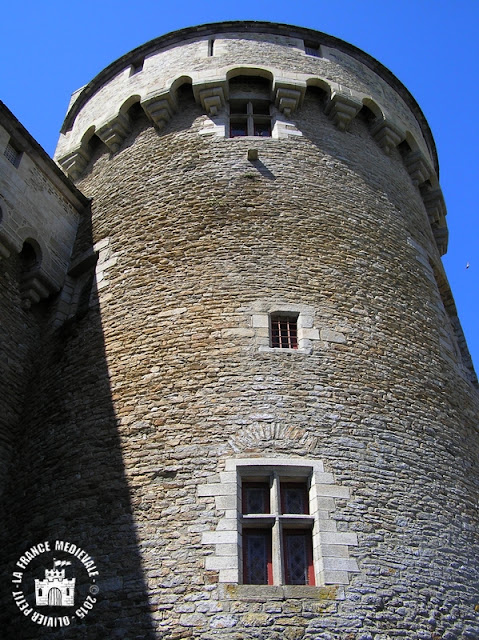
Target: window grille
point(284, 332)
point(12, 154)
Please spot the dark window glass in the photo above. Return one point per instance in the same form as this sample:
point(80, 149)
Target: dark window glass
point(257, 565)
point(262, 129)
point(294, 498)
point(261, 108)
point(298, 557)
point(256, 497)
point(238, 106)
point(238, 129)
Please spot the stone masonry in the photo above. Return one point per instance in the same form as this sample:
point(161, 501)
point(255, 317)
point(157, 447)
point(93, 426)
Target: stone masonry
point(154, 391)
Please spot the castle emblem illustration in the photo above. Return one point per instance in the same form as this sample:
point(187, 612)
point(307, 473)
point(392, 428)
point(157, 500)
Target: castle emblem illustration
point(55, 590)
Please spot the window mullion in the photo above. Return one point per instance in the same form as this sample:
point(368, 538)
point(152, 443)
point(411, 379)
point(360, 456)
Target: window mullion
point(250, 119)
point(277, 552)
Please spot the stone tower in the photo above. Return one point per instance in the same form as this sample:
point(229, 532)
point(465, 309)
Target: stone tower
point(250, 398)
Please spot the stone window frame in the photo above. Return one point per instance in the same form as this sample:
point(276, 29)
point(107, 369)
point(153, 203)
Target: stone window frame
point(261, 324)
point(332, 562)
point(275, 521)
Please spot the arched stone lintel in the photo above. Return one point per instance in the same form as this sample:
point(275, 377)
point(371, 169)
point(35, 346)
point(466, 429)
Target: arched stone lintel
point(40, 281)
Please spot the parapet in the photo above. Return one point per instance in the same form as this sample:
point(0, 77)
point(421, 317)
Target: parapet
point(292, 59)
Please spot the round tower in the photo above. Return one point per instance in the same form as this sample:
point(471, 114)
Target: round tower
point(260, 416)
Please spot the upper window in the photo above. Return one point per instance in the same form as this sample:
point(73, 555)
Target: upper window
point(284, 331)
point(12, 153)
point(312, 49)
point(277, 531)
point(249, 106)
point(137, 66)
point(250, 118)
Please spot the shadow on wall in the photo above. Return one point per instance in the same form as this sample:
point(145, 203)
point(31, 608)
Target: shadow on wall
point(67, 483)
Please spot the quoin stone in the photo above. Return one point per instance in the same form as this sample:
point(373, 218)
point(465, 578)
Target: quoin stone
point(232, 365)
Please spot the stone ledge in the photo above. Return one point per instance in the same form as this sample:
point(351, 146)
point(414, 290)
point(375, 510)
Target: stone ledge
point(266, 592)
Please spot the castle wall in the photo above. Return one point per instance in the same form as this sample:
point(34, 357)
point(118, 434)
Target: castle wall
point(160, 397)
point(39, 206)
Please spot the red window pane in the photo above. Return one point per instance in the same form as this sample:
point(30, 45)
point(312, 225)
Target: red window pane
point(284, 332)
point(298, 557)
point(257, 564)
point(294, 497)
point(256, 497)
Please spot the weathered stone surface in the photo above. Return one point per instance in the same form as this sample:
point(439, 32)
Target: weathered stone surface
point(150, 395)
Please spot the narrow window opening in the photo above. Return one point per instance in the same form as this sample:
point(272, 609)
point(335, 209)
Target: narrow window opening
point(366, 115)
point(84, 297)
point(284, 331)
point(137, 66)
point(12, 153)
point(211, 44)
point(404, 149)
point(137, 115)
point(312, 49)
point(28, 258)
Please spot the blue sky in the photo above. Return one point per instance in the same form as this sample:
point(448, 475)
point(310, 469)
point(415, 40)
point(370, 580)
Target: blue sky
point(49, 49)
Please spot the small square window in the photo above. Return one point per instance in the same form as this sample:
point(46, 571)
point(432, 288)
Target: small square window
point(250, 118)
point(12, 154)
point(137, 66)
point(284, 331)
point(312, 49)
